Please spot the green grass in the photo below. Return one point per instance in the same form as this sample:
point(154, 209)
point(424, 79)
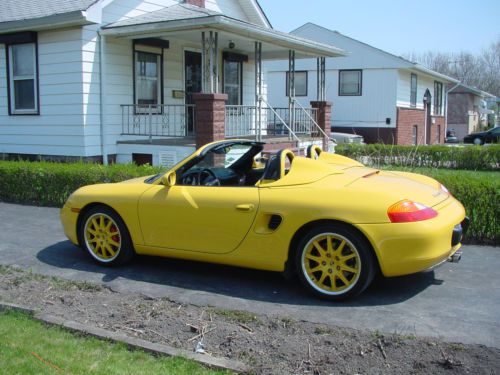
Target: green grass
point(30, 347)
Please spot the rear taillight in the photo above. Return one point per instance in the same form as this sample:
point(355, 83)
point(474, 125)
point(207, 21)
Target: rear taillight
point(407, 211)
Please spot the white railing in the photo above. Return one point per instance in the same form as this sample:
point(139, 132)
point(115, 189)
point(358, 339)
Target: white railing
point(164, 120)
point(242, 121)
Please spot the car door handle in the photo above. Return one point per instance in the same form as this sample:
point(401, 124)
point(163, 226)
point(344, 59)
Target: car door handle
point(245, 207)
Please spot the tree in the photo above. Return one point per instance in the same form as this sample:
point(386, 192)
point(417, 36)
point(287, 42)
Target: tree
point(481, 71)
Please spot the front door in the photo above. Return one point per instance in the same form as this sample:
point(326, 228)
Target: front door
point(428, 117)
point(192, 84)
point(208, 219)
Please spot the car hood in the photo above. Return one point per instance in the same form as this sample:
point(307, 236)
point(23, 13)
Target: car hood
point(396, 186)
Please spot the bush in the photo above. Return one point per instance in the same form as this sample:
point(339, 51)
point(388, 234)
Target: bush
point(477, 158)
point(50, 184)
point(479, 192)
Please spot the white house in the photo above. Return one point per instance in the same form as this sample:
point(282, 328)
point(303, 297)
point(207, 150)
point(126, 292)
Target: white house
point(106, 80)
point(378, 95)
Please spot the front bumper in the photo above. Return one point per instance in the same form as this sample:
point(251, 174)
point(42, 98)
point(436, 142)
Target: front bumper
point(69, 222)
point(406, 248)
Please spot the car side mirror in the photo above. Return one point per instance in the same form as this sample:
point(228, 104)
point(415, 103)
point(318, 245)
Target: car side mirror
point(169, 179)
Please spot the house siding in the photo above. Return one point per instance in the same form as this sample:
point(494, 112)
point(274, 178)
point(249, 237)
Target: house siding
point(58, 129)
point(424, 82)
point(369, 110)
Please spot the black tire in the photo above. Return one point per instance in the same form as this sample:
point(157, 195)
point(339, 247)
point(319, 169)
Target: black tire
point(478, 141)
point(97, 245)
point(334, 269)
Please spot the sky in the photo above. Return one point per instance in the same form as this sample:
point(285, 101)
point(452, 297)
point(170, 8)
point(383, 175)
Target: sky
point(397, 26)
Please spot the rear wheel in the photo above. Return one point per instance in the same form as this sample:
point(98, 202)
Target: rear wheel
point(335, 262)
point(478, 141)
point(105, 237)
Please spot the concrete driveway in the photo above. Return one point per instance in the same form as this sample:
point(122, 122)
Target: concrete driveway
point(457, 302)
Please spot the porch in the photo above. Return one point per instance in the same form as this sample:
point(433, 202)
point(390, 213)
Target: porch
point(215, 88)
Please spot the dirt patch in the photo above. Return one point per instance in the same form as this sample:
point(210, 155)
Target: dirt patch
point(270, 344)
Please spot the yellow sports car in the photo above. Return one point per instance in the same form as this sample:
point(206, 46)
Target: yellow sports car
point(327, 218)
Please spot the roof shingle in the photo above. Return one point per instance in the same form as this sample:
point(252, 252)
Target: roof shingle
point(17, 10)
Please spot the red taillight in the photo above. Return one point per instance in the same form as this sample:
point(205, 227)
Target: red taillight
point(407, 211)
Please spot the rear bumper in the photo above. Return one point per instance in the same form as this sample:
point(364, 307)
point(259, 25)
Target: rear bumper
point(406, 248)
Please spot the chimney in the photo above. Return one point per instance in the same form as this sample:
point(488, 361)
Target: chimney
point(198, 3)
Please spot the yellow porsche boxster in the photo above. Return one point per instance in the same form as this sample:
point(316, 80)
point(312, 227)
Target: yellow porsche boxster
point(327, 218)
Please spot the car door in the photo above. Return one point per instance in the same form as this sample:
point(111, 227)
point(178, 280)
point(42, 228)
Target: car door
point(211, 219)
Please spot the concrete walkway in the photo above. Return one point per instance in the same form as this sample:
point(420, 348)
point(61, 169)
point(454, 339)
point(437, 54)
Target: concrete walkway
point(457, 302)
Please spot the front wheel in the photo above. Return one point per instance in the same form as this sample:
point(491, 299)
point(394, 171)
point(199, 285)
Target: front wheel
point(105, 237)
point(335, 262)
point(478, 141)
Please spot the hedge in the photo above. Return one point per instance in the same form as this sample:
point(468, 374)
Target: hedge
point(480, 158)
point(479, 192)
point(49, 184)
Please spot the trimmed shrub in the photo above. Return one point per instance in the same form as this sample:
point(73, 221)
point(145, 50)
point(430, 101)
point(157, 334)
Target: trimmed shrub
point(479, 192)
point(50, 184)
point(477, 158)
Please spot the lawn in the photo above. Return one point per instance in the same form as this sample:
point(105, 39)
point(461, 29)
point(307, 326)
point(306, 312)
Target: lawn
point(30, 347)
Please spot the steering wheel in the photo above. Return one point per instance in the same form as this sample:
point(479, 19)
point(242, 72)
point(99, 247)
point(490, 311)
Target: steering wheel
point(207, 177)
point(313, 151)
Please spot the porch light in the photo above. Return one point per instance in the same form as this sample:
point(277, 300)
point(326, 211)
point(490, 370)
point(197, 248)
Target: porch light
point(231, 44)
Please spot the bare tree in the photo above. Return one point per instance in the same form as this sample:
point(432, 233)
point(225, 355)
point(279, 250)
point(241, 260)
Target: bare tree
point(481, 71)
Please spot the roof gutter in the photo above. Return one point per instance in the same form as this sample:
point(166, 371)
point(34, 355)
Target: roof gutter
point(229, 25)
point(433, 73)
point(76, 18)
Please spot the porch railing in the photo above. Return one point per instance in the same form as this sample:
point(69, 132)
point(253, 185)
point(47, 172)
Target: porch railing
point(241, 121)
point(164, 120)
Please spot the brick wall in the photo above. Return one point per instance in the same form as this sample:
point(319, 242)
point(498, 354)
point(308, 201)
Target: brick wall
point(198, 3)
point(406, 119)
point(438, 124)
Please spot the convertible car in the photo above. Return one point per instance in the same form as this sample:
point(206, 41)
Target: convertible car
point(329, 219)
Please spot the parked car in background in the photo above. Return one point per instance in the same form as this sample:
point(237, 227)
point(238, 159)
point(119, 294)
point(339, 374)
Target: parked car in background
point(451, 136)
point(490, 136)
point(347, 138)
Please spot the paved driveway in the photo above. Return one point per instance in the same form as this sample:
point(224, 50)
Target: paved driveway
point(457, 302)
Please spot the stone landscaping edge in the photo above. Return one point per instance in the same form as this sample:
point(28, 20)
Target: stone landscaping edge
point(161, 349)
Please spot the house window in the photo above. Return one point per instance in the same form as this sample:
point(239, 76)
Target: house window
point(300, 83)
point(438, 98)
point(413, 90)
point(147, 79)
point(232, 84)
point(438, 134)
point(414, 135)
point(350, 82)
point(23, 78)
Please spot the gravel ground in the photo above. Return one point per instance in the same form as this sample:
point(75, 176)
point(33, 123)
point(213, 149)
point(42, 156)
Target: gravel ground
point(270, 344)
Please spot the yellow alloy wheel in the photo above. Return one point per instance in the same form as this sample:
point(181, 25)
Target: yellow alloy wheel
point(102, 237)
point(331, 264)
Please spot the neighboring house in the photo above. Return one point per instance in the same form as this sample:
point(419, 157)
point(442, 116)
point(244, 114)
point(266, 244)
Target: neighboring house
point(105, 80)
point(382, 97)
point(467, 109)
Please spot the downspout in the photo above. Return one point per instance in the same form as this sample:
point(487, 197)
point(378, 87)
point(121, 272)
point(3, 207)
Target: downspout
point(102, 96)
point(446, 109)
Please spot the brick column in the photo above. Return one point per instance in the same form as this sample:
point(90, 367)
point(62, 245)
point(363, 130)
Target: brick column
point(324, 118)
point(209, 118)
point(198, 3)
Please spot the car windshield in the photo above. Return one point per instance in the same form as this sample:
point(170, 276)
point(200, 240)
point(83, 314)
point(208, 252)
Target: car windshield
point(223, 156)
